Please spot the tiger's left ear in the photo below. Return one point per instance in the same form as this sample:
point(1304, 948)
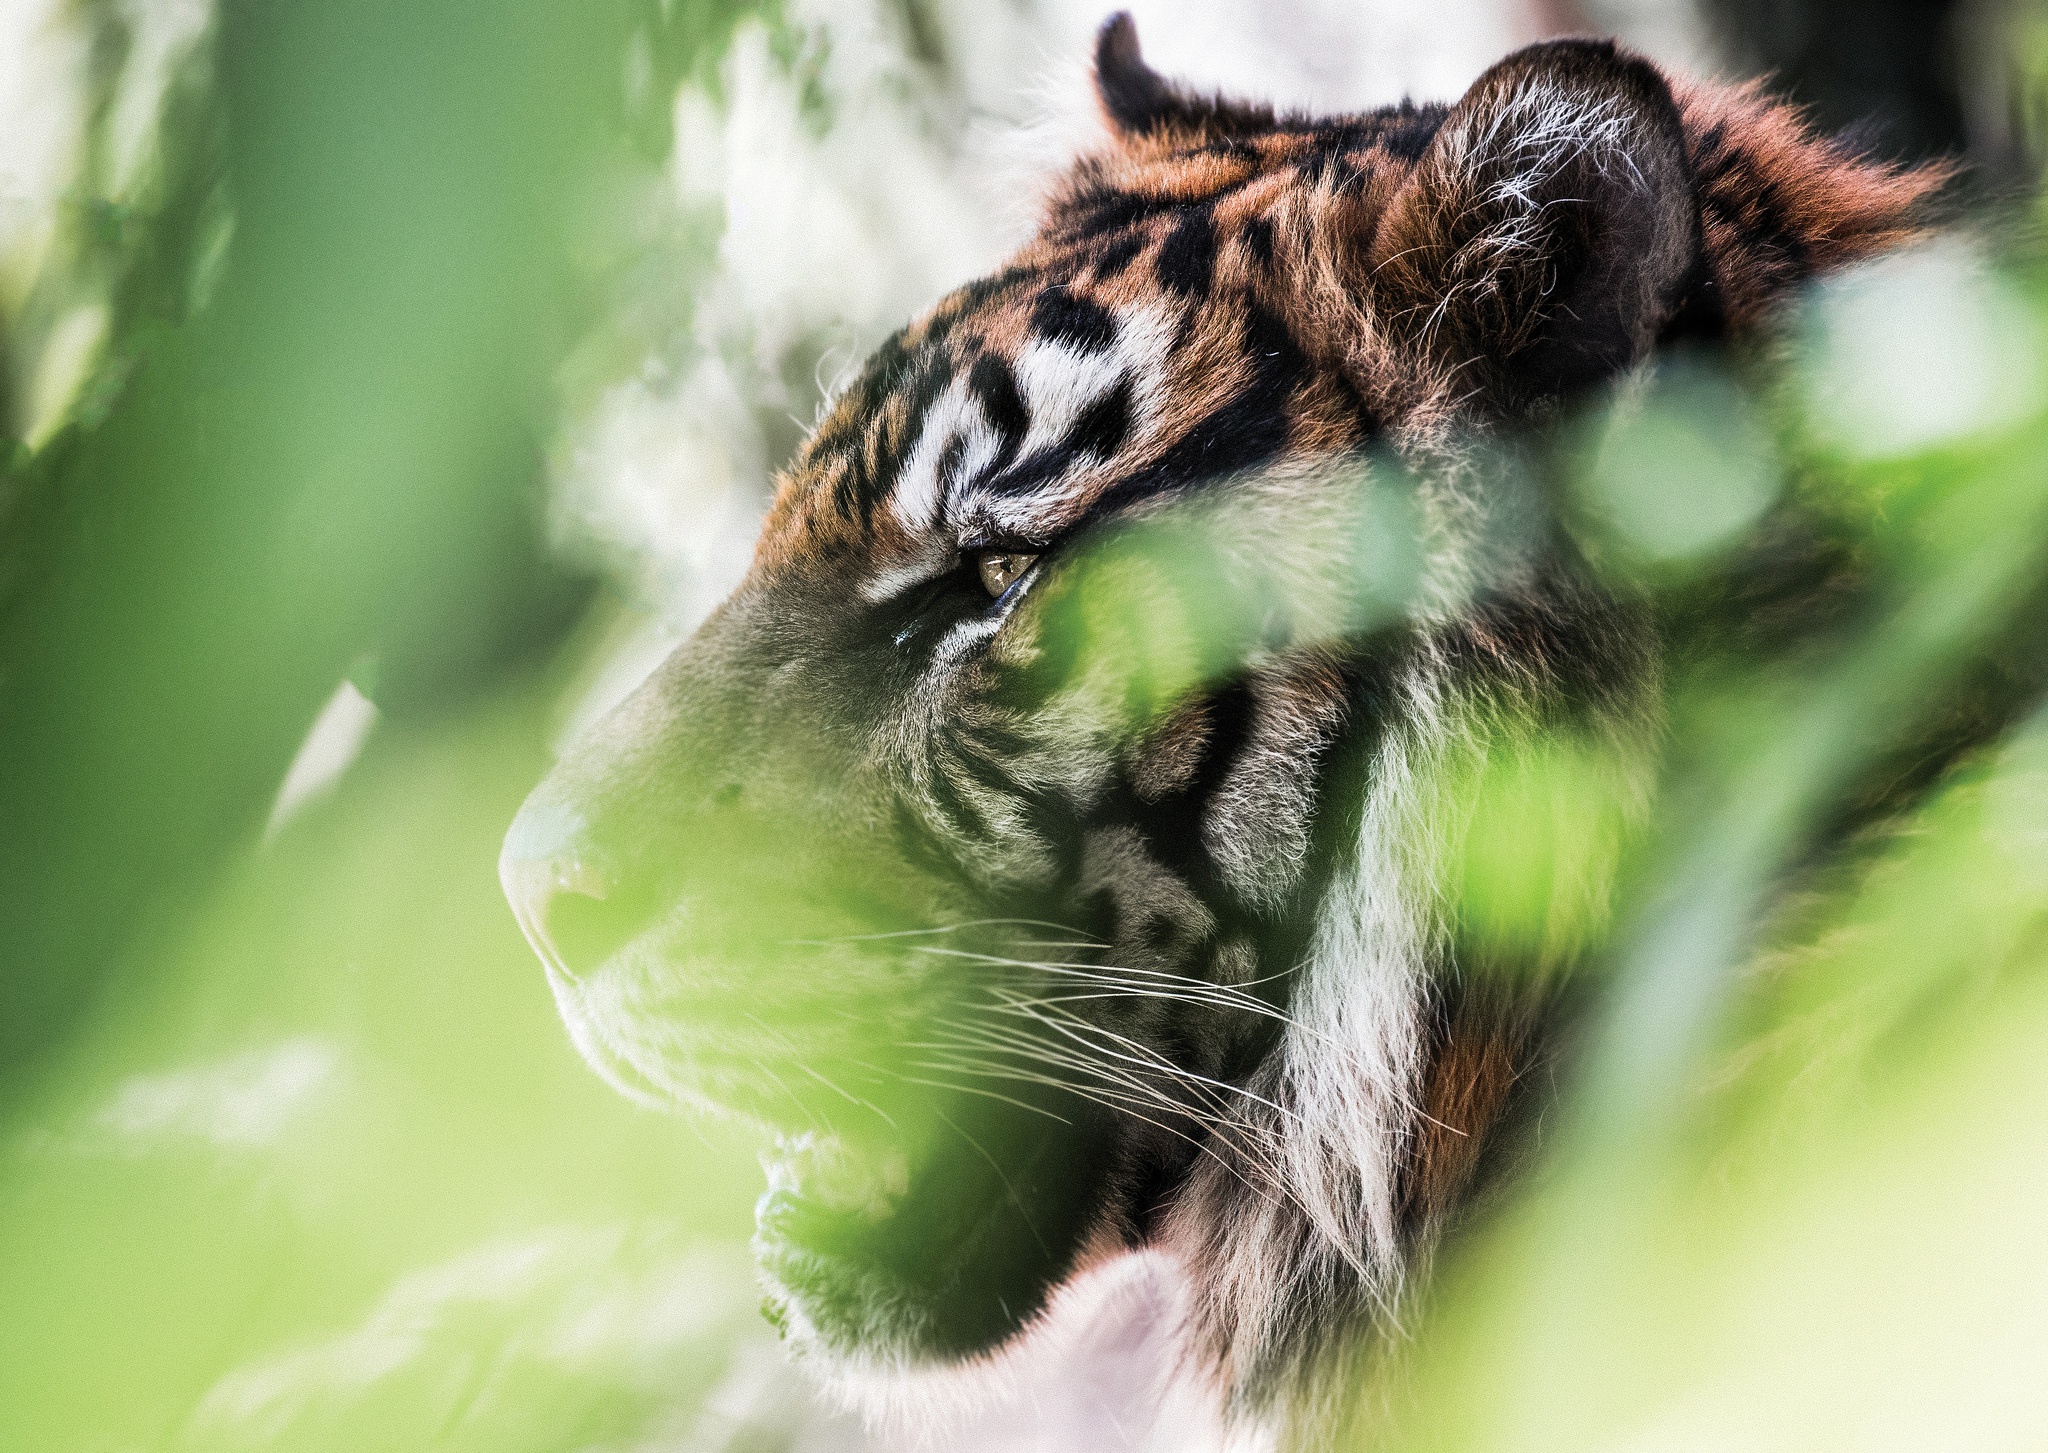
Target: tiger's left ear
point(1549, 231)
point(1139, 102)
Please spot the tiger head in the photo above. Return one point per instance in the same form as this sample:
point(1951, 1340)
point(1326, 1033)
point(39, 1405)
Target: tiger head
point(1013, 846)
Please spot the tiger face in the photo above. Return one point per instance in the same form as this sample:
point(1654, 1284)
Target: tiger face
point(1031, 949)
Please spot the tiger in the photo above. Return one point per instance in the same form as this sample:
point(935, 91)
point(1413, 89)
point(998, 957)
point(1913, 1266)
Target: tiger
point(1034, 953)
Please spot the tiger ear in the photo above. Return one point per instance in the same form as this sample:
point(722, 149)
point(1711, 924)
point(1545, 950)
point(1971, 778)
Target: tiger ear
point(1137, 101)
point(1550, 230)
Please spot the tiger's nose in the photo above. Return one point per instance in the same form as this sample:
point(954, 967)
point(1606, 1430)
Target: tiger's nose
point(564, 889)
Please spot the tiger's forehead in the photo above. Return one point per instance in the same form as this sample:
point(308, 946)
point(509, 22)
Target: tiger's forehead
point(1157, 332)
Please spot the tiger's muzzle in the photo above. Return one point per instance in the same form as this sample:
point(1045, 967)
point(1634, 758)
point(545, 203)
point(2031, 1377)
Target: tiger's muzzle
point(715, 882)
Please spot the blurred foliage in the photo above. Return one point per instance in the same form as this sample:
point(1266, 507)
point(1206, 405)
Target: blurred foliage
point(1792, 1193)
point(286, 388)
point(292, 1148)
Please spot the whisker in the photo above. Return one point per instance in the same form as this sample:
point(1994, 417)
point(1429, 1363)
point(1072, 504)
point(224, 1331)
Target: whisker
point(857, 1101)
point(1155, 1059)
point(1122, 972)
point(938, 929)
point(1044, 1054)
point(987, 1094)
point(1072, 1031)
point(1199, 992)
point(1106, 1100)
point(1123, 1094)
point(1039, 1052)
point(794, 1098)
point(1181, 987)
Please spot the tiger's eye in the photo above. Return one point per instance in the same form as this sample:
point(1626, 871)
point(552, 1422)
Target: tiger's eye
point(1000, 571)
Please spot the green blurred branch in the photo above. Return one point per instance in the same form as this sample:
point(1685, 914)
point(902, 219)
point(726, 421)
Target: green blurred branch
point(338, 456)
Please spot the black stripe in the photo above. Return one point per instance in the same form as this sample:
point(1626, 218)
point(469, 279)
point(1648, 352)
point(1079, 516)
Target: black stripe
point(928, 379)
point(1105, 209)
point(970, 296)
point(921, 849)
point(995, 386)
point(846, 494)
point(995, 741)
point(987, 773)
point(957, 814)
point(1031, 473)
point(1118, 254)
point(1075, 322)
point(1258, 241)
point(1173, 824)
point(1187, 259)
point(1104, 424)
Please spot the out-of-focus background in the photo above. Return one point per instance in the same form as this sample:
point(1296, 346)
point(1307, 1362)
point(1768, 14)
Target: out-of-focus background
point(386, 384)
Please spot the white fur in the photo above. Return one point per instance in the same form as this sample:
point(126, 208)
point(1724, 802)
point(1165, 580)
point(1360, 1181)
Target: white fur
point(1353, 1056)
point(919, 491)
point(1325, 1211)
point(1100, 1370)
point(1059, 382)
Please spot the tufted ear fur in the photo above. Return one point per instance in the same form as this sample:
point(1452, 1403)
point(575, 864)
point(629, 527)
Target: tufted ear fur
point(1780, 204)
point(1138, 102)
point(1549, 232)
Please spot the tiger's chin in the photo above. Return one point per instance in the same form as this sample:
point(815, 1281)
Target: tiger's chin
point(875, 1258)
point(824, 1230)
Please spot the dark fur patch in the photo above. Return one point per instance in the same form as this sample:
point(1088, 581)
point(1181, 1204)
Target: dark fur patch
point(1035, 471)
point(1520, 273)
point(1067, 318)
point(1119, 252)
point(995, 386)
point(1187, 258)
point(1093, 210)
point(1407, 130)
point(1104, 424)
point(1256, 237)
point(1137, 100)
point(1136, 97)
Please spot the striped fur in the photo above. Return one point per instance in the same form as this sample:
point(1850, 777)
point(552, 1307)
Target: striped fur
point(1037, 958)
